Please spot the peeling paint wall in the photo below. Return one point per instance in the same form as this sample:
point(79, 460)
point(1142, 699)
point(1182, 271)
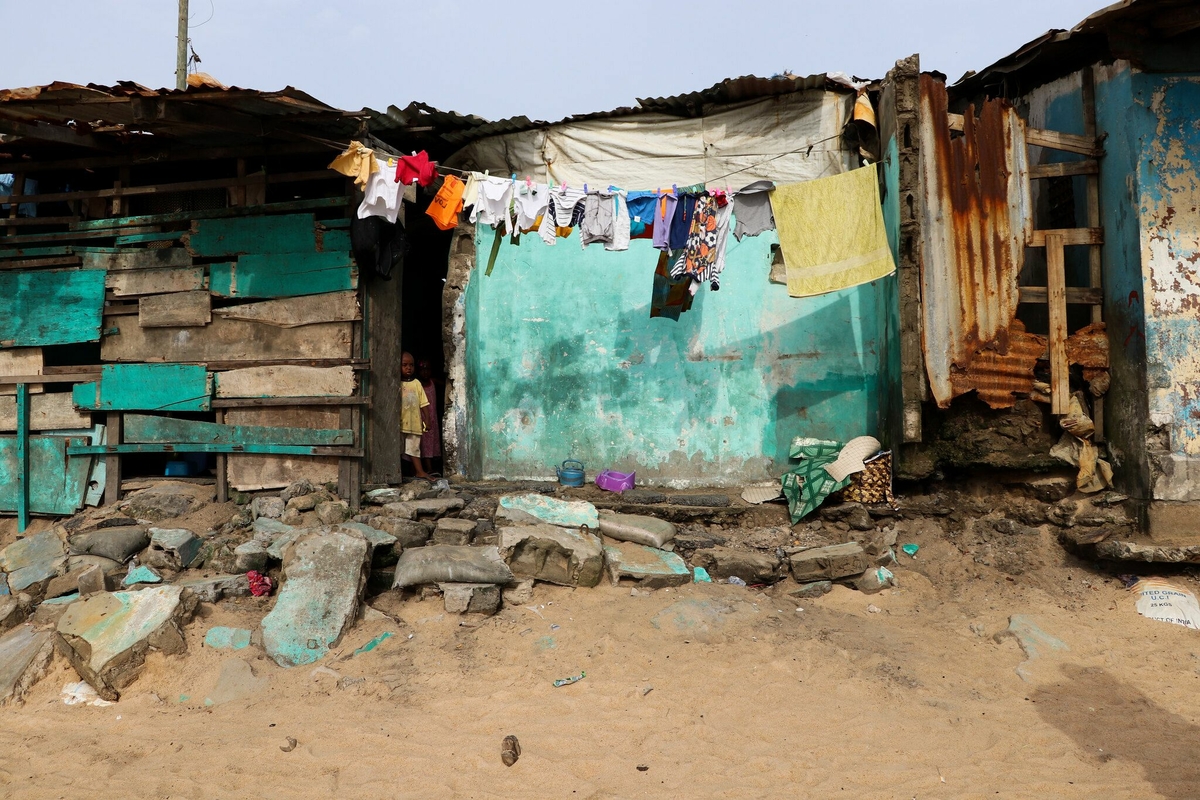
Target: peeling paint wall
point(563, 361)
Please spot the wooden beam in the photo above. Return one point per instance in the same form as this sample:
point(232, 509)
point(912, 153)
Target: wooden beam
point(1069, 236)
point(40, 263)
point(177, 154)
point(233, 211)
point(148, 429)
point(59, 134)
point(1056, 303)
point(1037, 137)
point(269, 402)
point(112, 463)
point(222, 466)
point(121, 189)
point(1076, 295)
point(176, 310)
point(1065, 169)
point(22, 457)
point(193, 447)
point(1095, 258)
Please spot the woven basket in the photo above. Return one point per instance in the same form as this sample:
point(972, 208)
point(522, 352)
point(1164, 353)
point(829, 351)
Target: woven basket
point(873, 484)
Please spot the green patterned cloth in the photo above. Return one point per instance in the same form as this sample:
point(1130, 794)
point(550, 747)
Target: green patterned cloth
point(807, 486)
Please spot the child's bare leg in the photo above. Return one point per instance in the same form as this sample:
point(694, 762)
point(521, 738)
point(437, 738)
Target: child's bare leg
point(419, 468)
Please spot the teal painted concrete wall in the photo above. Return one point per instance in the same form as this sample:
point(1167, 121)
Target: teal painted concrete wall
point(563, 361)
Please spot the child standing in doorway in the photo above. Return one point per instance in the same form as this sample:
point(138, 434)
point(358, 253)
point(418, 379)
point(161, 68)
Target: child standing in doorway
point(412, 400)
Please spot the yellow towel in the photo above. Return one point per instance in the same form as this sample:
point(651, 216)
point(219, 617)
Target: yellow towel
point(831, 232)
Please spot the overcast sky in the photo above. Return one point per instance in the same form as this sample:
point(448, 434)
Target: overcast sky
point(541, 59)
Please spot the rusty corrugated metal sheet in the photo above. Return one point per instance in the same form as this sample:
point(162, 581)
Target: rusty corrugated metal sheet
point(976, 221)
point(998, 379)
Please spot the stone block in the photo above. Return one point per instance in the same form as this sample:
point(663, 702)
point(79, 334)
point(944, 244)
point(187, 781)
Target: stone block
point(296, 490)
point(172, 548)
point(323, 579)
point(268, 506)
point(91, 580)
point(471, 598)
point(518, 593)
point(808, 591)
point(829, 563)
point(725, 562)
point(106, 636)
point(215, 587)
point(248, 556)
point(453, 531)
point(25, 654)
point(305, 502)
point(556, 555)
point(413, 509)
point(567, 513)
point(118, 544)
point(331, 512)
point(67, 582)
point(649, 566)
point(32, 550)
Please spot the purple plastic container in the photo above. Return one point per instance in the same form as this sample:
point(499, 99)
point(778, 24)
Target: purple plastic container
point(612, 481)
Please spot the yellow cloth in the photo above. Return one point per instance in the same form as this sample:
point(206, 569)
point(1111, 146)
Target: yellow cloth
point(831, 232)
point(358, 162)
point(412, 400)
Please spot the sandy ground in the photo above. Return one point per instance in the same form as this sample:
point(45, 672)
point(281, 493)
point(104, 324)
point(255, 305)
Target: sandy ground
point(719, 691)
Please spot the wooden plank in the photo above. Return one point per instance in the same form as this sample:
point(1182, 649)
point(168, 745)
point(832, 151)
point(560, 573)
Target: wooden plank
point(223, 340)
point(20, 361)
point(334, 241)
point(121, 188)
point(123, 259)
point(56, 482)
point(384, 316)
point(1065, 169)
point(33, 222)
point(289, 233)
point(30, 252)
point(53, 411)
point(112, 464)
point(129, 283)
point(286, 381)
point(143, 429)
point(1069, 236)
point(1095, 262)
point(254, 472)
point(147, 387)
point(41, 263)
point(142, 238)
point(176, 310)
point(1036, 137)
point(257, 450)
point(1056, 303)
point(79, 236)
point(1076, 295)
point(50, 307)
point(222, 466)
point(220, 213)
point(267, 402)
point(49, 375)
point(59, 134)
point(283, 275)
point(296, 311)
point(22, 400)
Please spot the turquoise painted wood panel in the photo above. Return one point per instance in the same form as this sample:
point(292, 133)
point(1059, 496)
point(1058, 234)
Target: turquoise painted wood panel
point(43, 307)
point(57, 481)
point(137, 238)
point(282, 275)
point(142, 429)
point(288, 233)
point(30, 252)
point(344, 222)
point(23, 474)
point(335, 242)
point(256, 449)
point(147, 387)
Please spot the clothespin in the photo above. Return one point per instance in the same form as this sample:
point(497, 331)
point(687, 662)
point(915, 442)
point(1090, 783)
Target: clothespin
point(585, 188)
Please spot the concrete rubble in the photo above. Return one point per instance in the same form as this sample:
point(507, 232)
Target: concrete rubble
point(31, 563)
point(552, 554)
point(650, 567)
point(25, 654)
point(471, 598)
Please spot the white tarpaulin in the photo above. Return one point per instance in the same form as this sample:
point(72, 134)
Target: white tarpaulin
point(766, 139)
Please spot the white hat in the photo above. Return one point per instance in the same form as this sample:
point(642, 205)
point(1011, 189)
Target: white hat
point(850, 459)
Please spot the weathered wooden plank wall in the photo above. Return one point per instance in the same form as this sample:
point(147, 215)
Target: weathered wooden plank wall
point(50, 307)
point(140, 428)
point(251, 473)
point(147, 387)
point(286, 381)
point(223, 340)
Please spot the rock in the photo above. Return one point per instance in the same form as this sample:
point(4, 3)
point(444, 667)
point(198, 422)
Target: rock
point(106, 636)
point(118, 544)
point(248, 556)
point(724, 562)
point(379, 543)
point(652, 568)
point(34, 578)
point(643, 497)
point(1008, 527)
point(323, 579)
point(215, 587)
point(453, 531)
point(167, 500)
point(172, 548)
point(637, 528)
point(51, 611)
point(691, 539)
point(707, 500)
point(415, 489)
point(12, 612)
point(241, 519)
point(877, 543)
point(306, 502)
point(859, 519)
point(91, 580)
point(412, 509)
point(808, 591)
point(222, 638)
point(408, 533)
point(266, 506)
point(556, 555)
point(331, 512)
point(292, 517)
point(68, 582)
point(33, 561)
point(443, 563)
point(567, 513)
point(141, 574)
point(296, 490)
point(25, 654)
point(518, 593)
point(268, 530)
point(379, 497)
point(236, 681)
point(875, 580)
point(829, 563)
point(471, 598)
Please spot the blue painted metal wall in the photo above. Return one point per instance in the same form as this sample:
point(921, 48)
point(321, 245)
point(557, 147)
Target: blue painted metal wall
point(563, 360)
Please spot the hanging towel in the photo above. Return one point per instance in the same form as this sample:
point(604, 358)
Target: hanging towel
point(831, 232)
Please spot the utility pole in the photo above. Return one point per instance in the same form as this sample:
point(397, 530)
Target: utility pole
point(181, 47)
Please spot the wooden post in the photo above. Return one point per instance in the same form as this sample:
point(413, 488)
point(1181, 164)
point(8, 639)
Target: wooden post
point(14, 203)
point(1056, 303)
point(349, 475)
point(1095, 259)
point(181, 47)
point(222, 466)
point(22, 457)
point(118, 202)
point(112, 464)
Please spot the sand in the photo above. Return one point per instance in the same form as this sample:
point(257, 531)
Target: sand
point(719, 691)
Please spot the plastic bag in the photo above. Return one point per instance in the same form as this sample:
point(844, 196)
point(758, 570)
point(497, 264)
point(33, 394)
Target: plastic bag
point(637, 528)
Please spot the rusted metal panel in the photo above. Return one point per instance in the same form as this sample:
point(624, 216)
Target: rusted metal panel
point(1000, 379)
point(976, 222)
point(1088, 347)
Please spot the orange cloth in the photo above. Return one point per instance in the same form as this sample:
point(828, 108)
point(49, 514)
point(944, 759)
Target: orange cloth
point(356, 162)
point(447, 203)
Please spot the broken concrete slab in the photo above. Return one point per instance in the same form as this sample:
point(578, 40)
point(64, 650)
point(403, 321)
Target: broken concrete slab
point(331, 512)
point(408, 533)
point(141, 574)
point(216, 587)
point(49, 612)
point(279, 545)
point(236, 681)
point(725, 563)
point(25, 654)
point(117, 544)
point(471, 598)
point(637, 528)
point(808, 591)
point(649, 566)
point(268, 506)
point(172, 548)
point(517, 593)
point(443, 563)
point(168, 499)
point(453, 531)
point(305, 502)
point(376, 539)
point(34, 578)
point(267, 530)
point(567, 513)
point(434, 507)
point(32, 550)
point(553, 554)
point(324, 575)
point(221, 637)
point(106, 636)
point(91, 580)
point(829, 563)
point(12, 611)
point(248, 556)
